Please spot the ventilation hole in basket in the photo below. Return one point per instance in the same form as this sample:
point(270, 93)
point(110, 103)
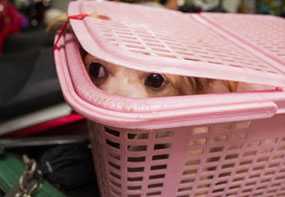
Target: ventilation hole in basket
point(162, 134)
point(196, 151)
point(138, 187)
point(213, 168)
point(269, 173)
point(250, 153)
point(114, 165)
point(261, 188)
point(254, 176)
point(183, 189)
point(199, 141)
point(140, 52)
point(191, 59)
point(160, 49)
point(157, 176)
point(200, 130)
point(118, 185)
point(166, 55)
point(206, 177)
point(235, 187)
point(253, 144)
point(274, 165)
point(234, 147)
point(134, 195)
point(232, 194)
point(155, 185)
point(162, 146)
point(193, 162)
point(213, 159)
point(114, 156)
point(247, 162)
point(158, 193)
point(242, 171)
point(134, 46)
point(113, 174)
point(221, 182)
point(203, 186)
point(282, 148)
point(132, 136)
point(225, 174)
point(136, 159)
point(190, 180)
point(243, 125)
point(231, 156)
point(152, 45)
point(221, 138)
point(202, 194)
point(158, 167)
point(238, 179)
point(277, 157)
point(112, 132)
point(262, 159)
point(250, 183)
point(258, 194)
point(117, 193)
point(190, 172)
point(216, 149)
point(135, 169)
point(113, 144)
point(139, 148)
point(160, 157)
point(131, 41)
point(230, 165)
point(134, 179)
point(258, 168)
point(247, 190)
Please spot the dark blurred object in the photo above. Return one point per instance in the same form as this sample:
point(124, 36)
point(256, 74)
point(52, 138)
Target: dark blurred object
point(11, 21)
point(68, 166)
point(273, 7)
point(30, 40)
point(28, 82)
point(34, 10)
point(195, 6)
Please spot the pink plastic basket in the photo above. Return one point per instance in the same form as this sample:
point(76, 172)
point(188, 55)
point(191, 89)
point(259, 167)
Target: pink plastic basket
point(203, 145)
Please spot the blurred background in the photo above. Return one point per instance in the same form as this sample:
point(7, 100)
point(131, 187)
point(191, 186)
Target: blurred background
point(31, 103)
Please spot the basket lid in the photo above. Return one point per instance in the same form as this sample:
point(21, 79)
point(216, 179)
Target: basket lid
point(202, 45)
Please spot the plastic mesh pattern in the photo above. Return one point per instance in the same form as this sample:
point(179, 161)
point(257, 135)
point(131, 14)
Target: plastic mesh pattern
point(147, 33)
point(218, 160)
point(266, 32)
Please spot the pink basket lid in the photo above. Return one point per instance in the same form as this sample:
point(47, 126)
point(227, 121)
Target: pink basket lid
point(159, 40)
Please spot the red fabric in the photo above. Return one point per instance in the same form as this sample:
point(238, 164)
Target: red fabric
point(10, 21)
point(46, 126)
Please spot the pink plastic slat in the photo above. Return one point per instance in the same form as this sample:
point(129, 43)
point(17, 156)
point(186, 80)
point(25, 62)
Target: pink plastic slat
point(159, 40)
point(266, 33)
point(232, 159)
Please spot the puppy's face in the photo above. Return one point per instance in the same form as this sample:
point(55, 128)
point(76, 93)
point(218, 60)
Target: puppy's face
point(122, 81)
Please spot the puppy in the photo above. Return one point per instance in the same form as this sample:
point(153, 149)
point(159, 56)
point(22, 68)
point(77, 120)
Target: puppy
point(122, 81)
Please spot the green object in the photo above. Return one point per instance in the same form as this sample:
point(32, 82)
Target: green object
point(11, 168)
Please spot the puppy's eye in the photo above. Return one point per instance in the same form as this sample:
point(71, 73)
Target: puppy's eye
point(154, 80)
point(97, 71)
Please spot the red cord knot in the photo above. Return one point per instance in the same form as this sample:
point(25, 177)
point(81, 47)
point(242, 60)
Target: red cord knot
point(64, 26)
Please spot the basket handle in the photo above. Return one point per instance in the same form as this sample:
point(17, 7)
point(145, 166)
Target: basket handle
point(222, 114)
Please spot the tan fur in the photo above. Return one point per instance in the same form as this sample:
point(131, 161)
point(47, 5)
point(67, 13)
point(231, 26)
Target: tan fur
point(128, 82)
